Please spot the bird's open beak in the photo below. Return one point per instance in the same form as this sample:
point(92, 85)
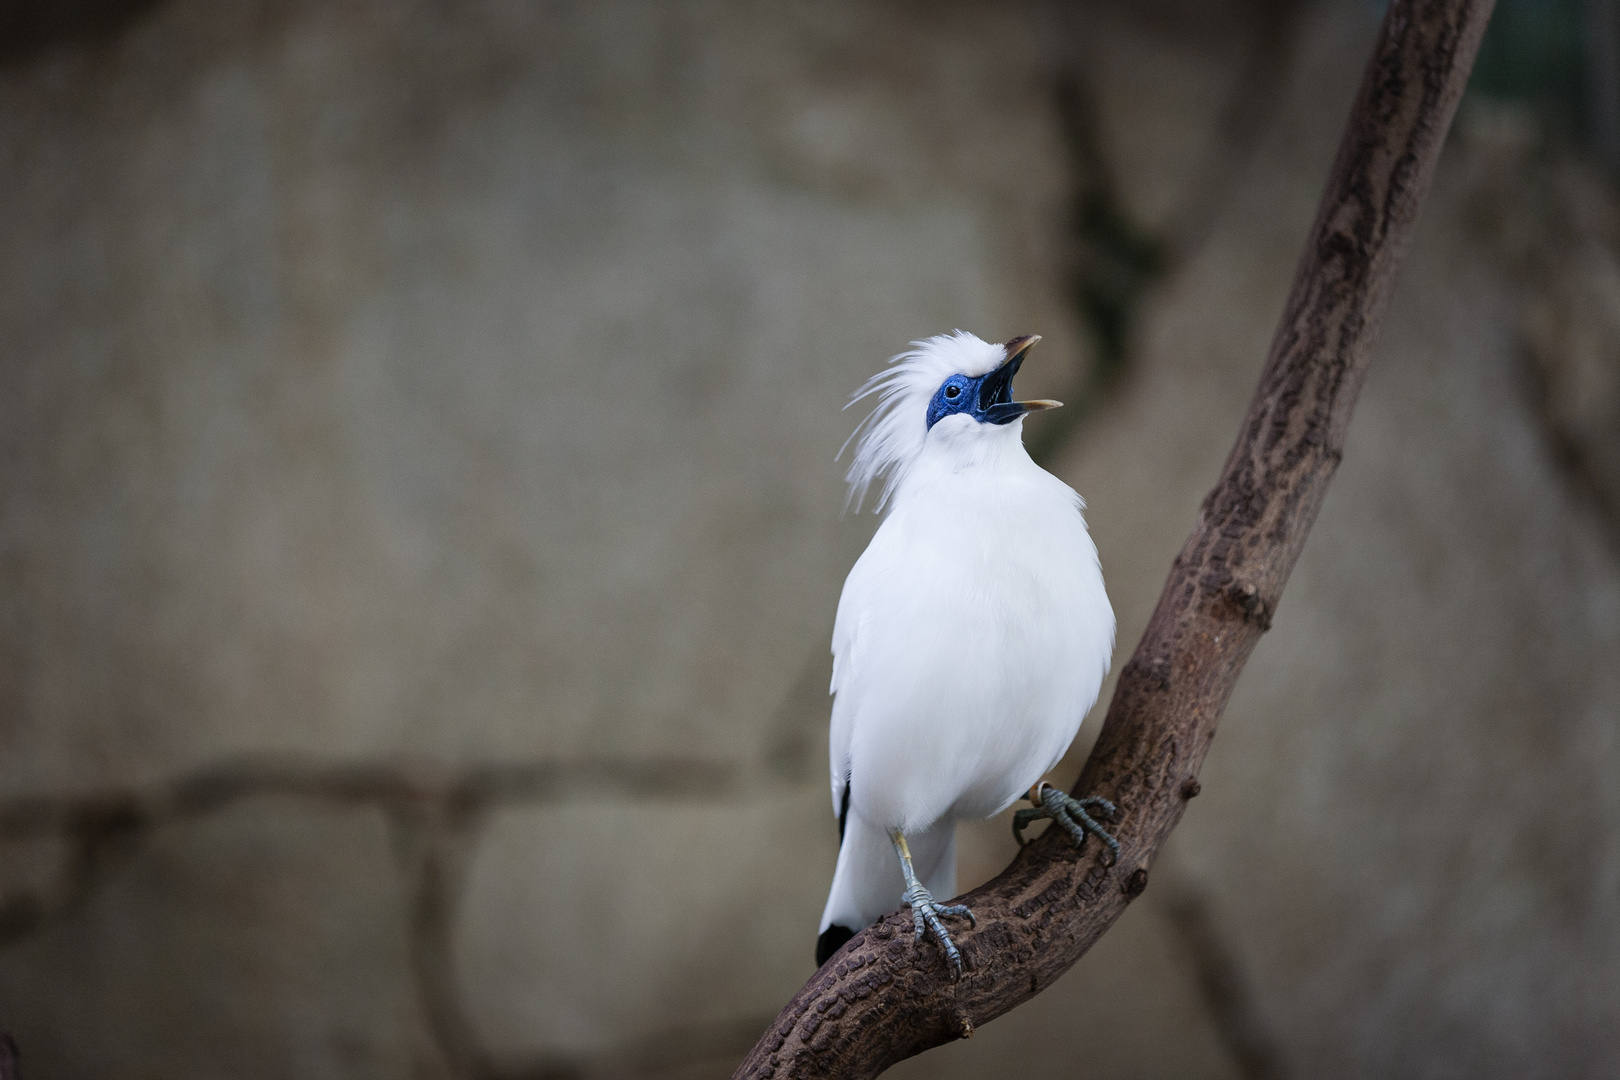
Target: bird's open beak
point(995, 396)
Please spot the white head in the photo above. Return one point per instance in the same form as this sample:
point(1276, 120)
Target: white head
point(949, 387)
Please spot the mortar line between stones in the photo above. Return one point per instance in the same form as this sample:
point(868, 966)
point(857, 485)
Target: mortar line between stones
point(102, 829)
point(433, 813)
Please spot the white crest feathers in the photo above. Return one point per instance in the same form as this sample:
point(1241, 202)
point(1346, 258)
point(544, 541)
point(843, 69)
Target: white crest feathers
point(892, 435)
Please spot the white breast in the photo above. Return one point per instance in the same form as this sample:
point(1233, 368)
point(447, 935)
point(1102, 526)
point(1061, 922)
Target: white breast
point(972, 638)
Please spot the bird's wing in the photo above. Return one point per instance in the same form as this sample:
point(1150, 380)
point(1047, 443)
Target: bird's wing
point(846, 662)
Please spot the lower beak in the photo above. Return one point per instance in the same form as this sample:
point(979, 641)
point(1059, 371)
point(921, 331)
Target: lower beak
point(1009, 411)
point(1038, 404)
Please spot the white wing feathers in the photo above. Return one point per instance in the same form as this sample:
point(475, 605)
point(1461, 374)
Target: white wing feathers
point(846, 632)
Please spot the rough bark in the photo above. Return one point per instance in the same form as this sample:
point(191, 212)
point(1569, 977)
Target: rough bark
point(881, 999)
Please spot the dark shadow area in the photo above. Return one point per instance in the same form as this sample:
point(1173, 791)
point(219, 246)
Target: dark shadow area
point(29, 28)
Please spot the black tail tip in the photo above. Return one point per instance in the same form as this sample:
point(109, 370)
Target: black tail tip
point(831, 940)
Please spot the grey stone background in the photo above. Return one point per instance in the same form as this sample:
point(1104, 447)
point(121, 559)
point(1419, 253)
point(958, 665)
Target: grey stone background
point(420, 534)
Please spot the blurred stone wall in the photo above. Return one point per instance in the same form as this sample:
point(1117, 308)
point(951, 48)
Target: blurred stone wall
point(420, 533)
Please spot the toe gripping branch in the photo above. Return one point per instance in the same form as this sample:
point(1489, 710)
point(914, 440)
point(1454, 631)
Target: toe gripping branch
point(925, 919)
point(926, 912)
point(1071, 814)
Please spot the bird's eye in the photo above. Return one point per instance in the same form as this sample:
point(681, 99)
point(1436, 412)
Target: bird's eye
point(953, 391)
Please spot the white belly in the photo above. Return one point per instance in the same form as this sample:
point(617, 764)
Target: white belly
point(976, 634)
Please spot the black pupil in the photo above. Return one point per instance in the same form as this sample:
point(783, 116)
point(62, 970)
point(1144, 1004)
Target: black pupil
point(951, 391)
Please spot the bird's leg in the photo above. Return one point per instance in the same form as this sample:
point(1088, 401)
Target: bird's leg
point(1073, 815)
point(925, 910)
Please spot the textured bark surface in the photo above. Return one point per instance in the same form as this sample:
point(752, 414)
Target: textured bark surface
point(881, 998)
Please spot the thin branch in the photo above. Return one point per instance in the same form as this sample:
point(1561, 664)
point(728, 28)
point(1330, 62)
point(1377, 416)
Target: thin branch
point(881, 998)
point(1225, 993)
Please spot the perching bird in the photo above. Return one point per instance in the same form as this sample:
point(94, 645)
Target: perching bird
point(971, 639)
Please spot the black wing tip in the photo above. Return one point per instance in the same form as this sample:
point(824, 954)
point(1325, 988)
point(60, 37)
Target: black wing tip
point(843, 811)
point(831, 940)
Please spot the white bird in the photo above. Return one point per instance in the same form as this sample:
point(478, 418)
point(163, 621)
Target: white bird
point(971, 639)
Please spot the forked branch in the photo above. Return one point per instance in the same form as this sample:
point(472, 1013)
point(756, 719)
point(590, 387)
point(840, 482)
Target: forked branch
point(880, 999)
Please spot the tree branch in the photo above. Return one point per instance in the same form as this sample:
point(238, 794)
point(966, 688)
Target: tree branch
point(882, 999)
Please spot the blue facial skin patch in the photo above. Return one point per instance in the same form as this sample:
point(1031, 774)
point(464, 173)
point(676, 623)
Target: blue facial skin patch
point(956, 394)
point(986, 398)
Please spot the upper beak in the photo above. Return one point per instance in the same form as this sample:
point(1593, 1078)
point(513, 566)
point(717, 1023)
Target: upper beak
point(996, 395)
point(1018, 346)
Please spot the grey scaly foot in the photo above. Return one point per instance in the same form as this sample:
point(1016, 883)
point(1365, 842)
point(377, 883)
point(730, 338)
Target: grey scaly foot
point(925, 917)
point(926, 912)
point(1072, 815)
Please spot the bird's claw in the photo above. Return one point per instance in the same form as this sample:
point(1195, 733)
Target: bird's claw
point(1073, 815)
point(925, 917)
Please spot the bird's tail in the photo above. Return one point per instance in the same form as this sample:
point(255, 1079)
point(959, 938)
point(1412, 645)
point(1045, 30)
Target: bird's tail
point(868, 883)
